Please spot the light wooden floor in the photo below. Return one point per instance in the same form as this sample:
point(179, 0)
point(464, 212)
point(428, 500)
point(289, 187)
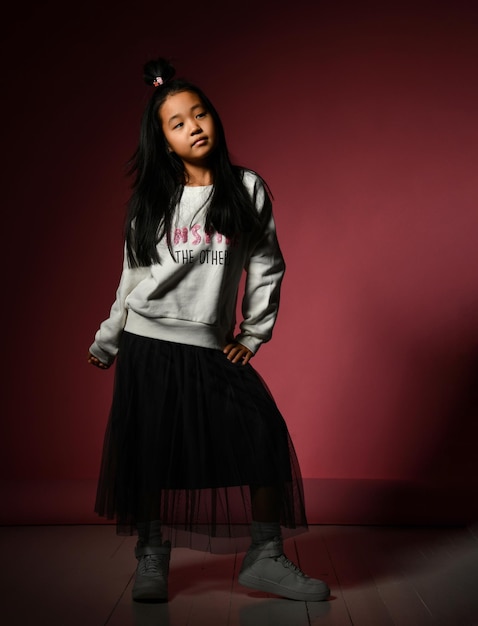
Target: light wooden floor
point(379, 576)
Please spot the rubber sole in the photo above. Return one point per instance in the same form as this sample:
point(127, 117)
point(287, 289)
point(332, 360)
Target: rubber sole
point(148, 591)
point(270, 586)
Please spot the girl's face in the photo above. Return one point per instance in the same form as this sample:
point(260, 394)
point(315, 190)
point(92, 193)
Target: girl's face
point(188, 127)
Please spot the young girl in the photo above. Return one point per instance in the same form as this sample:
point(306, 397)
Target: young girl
point(195, 445)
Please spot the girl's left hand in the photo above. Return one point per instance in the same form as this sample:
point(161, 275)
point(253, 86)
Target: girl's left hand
point(236, 352)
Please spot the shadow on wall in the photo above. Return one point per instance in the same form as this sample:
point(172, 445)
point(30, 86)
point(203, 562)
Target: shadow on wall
point(442, 483)
point(453, 466)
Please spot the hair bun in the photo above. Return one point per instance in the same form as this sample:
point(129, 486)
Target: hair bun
point(157, 72)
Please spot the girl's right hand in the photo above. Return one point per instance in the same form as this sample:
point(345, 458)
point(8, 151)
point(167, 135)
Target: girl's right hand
point(96, 362)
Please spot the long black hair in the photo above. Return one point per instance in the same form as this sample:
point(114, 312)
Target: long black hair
point(159, 177)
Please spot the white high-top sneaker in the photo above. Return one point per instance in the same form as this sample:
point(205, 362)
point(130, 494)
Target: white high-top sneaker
point(151, 581)
point(266, 568)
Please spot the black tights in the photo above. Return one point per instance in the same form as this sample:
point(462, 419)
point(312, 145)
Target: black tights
point(266, 504)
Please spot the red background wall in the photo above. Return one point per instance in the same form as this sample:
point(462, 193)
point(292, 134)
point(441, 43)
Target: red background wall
point(362, 117)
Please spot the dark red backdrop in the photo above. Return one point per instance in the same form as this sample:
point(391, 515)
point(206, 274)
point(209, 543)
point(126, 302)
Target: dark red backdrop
point(363, 121)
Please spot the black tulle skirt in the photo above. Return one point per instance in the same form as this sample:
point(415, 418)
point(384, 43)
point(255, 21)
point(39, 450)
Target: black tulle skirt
point(189, 435)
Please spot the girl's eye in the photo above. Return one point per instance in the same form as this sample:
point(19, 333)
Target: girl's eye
point(200, 115)
point(178, 125)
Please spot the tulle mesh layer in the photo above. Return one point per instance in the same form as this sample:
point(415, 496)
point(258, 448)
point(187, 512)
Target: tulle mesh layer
point(189, 433)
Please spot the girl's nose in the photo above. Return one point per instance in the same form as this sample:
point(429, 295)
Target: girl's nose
point(195, 128)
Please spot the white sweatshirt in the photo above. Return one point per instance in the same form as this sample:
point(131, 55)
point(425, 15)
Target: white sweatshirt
point(191, 297)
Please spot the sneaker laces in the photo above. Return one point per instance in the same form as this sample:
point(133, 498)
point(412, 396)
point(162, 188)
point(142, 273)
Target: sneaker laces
point(152, 565)
point(290, 565)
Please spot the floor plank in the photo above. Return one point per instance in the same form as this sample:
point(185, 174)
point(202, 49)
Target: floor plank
point(60, 575)
point(362, 599)
point(379, 576)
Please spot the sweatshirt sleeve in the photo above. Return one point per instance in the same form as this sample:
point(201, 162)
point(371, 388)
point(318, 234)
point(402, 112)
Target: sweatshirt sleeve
point(265, 269)
point(106, 343)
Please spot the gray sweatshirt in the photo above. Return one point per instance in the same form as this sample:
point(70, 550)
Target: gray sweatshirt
point(190, 296)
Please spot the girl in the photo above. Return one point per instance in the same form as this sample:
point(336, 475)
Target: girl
point(195, 445)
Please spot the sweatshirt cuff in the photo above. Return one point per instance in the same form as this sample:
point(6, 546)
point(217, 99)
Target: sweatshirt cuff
point(252, 343)
point(104, 357)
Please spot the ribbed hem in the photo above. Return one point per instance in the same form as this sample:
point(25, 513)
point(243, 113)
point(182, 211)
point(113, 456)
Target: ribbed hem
point(178, 331)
